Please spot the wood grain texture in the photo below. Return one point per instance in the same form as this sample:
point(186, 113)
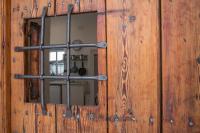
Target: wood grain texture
point(33, 58)
point(85, 124)
point(133, 66)
point(31, 113)
point(181, 48)
point(26, 117)
point(61, 6)
point(5, 103)
point(90, 5)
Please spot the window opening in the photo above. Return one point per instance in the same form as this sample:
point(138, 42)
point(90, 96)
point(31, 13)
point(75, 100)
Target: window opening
point(62, 64)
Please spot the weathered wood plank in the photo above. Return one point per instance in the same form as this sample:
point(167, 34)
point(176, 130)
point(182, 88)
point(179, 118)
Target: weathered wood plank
point(1, 65)
point(22, 9)
point(61, 6)
point(133, 66)
point(85, 124)
point(89, 5)
point(5, 103)
point(181, 48)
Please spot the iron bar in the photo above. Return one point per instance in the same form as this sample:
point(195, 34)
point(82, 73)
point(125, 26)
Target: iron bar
point(60, 46)
point(68, 41)
point(100, 77)
point(44, 12)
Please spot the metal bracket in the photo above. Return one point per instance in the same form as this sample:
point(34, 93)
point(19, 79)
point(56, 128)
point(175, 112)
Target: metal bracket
point(102, 45)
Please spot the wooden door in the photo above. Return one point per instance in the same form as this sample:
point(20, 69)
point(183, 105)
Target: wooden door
point(133, 37)
point(181, 69)
point(27, 117)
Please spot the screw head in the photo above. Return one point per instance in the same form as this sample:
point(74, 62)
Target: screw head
point(190, 122)
point(49, 4)
point(151, 120)
point(91, 116)
point(198, 60)
point(77, 117)
point(171, 121)
point(132, 18)
point(116, 118)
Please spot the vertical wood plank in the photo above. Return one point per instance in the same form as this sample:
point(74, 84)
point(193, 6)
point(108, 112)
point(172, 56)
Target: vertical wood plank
point(5, 103)
point(89, 5)
point(133, 66)
point(22, 112)
point(32, 60)
point(181, 49)
point(61, 6)
point(1, 65)
point(99, 122)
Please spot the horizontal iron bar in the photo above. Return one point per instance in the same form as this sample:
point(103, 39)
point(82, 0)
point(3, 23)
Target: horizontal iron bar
point(100, 77)
point(58, 46)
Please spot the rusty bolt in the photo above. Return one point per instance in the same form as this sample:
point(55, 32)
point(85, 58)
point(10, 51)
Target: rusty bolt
point(190, 122)
point(133, 118)
point(198, 60)
point(91, 116)
point(78, 117)
point(49, 4)
point(151, 120)
point(116, 118)
point(132, 18)
point(171, 121)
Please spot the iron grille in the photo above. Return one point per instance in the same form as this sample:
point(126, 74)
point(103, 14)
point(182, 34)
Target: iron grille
point(68, 45)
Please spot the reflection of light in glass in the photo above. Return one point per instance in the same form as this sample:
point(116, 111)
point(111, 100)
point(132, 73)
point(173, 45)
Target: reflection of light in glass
point(60, 55)
point(52, 56)
point(56, 62)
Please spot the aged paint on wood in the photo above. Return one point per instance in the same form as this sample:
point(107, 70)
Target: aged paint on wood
point(133, 66)
point(181, 70)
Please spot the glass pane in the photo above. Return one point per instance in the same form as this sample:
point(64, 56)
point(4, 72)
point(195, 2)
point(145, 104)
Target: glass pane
point(60, 55)
point(52, 56)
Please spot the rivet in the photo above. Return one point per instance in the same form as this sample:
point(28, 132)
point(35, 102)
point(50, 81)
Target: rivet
point(190, 122)
point(77, 117)
point(151, 120)
point(171, 121)
point(91, 116)
point(198, 60)
point(49, 4)
point(132, 18)
point(64, 115)
point(116, 118)
point(67, 114)
point(133, 118)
